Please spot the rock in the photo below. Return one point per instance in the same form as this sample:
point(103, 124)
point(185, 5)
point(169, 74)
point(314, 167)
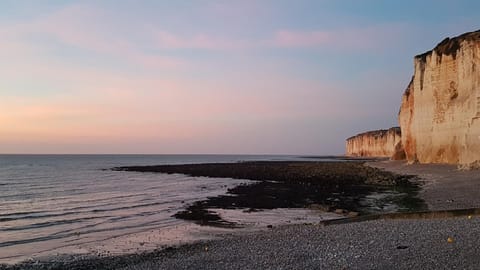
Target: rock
point(399, 152)
point(339, 211)
point(320, 207)
point(353, 214)
point(251, 210)
point(378, 143)
point(440, 111)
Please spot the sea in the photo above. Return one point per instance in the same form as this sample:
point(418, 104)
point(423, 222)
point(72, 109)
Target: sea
point(53, 205)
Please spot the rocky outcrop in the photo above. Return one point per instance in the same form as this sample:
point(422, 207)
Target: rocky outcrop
point(440, 111)
point(378, 143)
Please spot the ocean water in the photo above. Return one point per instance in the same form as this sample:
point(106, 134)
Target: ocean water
point(56, 204)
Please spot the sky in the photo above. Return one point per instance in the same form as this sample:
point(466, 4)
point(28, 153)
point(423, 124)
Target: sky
point(210, 77)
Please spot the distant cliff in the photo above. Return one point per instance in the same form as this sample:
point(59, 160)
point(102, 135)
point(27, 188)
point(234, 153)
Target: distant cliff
point(440, 111)
point(378, 143)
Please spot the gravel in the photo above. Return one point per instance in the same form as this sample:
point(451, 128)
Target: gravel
point(386, 244)
point(379, 244)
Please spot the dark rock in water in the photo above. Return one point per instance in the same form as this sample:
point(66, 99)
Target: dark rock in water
point(251, 210)
point(320, 185)
point(352, 214)
point(316, 206)
point(203, 217)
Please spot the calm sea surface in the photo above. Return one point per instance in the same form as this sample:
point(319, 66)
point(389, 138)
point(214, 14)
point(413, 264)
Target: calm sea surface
point(53, 204)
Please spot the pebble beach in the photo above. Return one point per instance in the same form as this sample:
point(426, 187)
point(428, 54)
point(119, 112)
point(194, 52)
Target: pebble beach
point(382, 244)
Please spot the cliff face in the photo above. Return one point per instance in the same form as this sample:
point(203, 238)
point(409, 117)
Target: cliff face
point(440, 111)
point(378, 143)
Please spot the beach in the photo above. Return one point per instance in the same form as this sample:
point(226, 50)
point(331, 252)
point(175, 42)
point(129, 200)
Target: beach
point(239, 135)
point(386, 244)
point(443, 186)
point(409, 241)
point(381, 244)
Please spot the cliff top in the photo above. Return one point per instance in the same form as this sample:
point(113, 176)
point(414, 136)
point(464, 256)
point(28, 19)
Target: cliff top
point(380, 132)
point(450, 46)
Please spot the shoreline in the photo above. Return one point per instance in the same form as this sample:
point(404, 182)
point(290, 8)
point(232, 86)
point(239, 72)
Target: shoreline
point(443, 186)
point(396, 244)
point(350, 188)
point(413, 233)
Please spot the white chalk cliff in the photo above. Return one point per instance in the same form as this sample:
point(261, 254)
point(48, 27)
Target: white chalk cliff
point(440, 111)
point(377, 143)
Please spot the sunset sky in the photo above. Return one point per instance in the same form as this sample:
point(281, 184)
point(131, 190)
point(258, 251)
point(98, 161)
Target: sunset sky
point(253, 77)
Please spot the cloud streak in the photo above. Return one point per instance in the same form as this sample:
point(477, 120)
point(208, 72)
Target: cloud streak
point(167, 40)
point(359, 39)
point(83, 27)
point(91, 73)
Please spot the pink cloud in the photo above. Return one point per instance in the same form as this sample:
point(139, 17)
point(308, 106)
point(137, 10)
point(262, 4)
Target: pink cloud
point(84, 27)
point(285, 38)
point(368, 37)
point(235, 11)
point(164, 39)
point(87, 28)
point(349, 38)
point(78, 25)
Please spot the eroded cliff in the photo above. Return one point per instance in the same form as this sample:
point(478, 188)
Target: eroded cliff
point(440, 111)
point(378, 143)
